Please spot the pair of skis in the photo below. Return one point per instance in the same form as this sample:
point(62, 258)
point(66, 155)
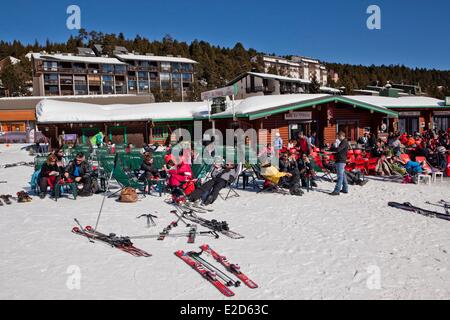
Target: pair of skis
point(215, 276)
point(214, 225)
point(428, 213)
point(122, 243)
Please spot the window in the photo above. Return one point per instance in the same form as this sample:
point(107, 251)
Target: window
point(153, 75)
point(143, 64)
point(187, 77)
point(160, 133)
point(50, 66)
point(176, 77)
point(187, 67)
point(143, 86)
point(175, 67)
point(409, 125)
point(121, 69)
point(441, 123)
point(108, 68)
point(50, 78)
point(108, 84)
point(66, 79)
point(143, 75)
point(350, 127)
point(165, 66)
point(132, 85)
point(165, 76)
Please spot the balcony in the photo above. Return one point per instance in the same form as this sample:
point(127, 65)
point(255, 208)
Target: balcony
point(79, 71)
point(66, 92)
point(51, 82)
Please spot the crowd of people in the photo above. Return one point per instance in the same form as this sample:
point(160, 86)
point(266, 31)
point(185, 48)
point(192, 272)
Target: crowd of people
point(294, 169)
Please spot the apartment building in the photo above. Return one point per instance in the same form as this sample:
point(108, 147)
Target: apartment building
point(297, 67)
point(92, 73)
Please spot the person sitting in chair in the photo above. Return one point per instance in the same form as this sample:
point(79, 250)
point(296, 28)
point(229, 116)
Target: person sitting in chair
point(148, 172)
point(221, 177)
point(180, 176)
point(78, 171)
point(307, 172)
point(288, 180)
point(49, 175)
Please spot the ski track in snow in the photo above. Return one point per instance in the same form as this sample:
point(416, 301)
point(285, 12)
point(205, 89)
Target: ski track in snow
point(310, 247)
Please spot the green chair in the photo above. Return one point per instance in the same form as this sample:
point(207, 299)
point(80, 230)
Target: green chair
point(123, 179)
point(39, 162)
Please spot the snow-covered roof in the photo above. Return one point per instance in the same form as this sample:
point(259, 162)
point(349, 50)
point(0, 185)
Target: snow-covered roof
point(73, 58)
point(405, 102)
point(330, 89)
point(276, 77)
point(135, 57)
point(52, 111)
point(97, 96)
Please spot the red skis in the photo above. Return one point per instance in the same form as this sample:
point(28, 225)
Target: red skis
point(233, 268)
point(208, 275)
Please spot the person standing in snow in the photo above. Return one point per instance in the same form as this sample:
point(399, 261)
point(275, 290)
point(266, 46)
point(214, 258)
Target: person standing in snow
point(278, 144)
point(341, 162)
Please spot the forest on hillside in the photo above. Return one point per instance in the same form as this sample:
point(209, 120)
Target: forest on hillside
point(216, 65)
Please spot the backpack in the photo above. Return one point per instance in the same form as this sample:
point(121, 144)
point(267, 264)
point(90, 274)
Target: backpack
point(128, 195)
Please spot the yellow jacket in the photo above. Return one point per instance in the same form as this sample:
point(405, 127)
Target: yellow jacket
point(272, 174)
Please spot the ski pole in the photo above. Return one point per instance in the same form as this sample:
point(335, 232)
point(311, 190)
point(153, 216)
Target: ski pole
point(220, 273)
point(116, 158)
point(82, 230)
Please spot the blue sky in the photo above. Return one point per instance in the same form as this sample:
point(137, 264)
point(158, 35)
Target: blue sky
point(414, 33)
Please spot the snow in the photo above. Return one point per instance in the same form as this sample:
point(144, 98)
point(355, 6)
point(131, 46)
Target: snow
point(389, 102)
point(52, 111)
point(73, 58)
point(313, 247)
point(330, 89)
point(262, 103)
point(137, 57)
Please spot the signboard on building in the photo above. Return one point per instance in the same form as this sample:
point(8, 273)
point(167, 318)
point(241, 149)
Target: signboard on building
point(409, 114)
point(221, 92)
point(441, 113)
point(298, 115)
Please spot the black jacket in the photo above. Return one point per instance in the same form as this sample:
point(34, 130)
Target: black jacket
point(46, 169)
point(149, 169)
point(342, 152)
point(83, 169)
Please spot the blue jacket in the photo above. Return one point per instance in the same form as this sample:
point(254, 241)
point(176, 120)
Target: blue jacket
point(413, 167)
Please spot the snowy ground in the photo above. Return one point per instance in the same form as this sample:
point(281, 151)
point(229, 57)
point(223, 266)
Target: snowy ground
point(314, 247)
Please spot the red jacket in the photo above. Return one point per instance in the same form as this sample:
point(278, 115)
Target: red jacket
point(180, 174)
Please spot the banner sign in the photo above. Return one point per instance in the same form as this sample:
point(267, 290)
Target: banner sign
point(70, 137)
point(409, 114)
point(298, 116)
point(441, 113)
point(221, 92)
